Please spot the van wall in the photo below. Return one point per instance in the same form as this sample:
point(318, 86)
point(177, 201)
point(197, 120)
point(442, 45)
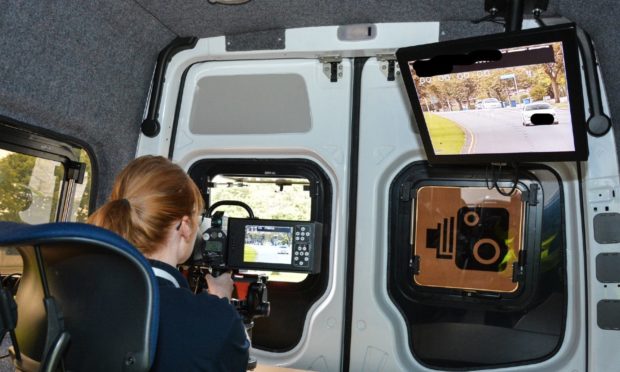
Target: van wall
point(84, 68)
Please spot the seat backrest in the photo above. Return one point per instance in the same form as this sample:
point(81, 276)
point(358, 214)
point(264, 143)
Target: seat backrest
point(103, 287)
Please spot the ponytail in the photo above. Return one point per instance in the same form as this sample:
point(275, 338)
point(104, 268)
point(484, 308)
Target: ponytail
point(149, 195)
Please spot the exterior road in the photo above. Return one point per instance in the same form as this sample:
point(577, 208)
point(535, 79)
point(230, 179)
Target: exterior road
point(271, 253)
point(491, 131)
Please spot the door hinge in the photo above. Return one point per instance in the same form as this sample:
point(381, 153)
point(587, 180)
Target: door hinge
point(388, 65)
point(332, 67)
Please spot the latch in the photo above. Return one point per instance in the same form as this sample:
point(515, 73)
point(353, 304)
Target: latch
point(313, 189)
point(531, 196)
point(405, 191)
point(388, 65)
point(414, 263)
point(332, 67)
point(75, 171)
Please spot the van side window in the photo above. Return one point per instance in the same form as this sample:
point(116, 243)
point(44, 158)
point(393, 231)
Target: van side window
point(284, 189)
point(282, 198)
point(475, 328)
point(29, 188)
point(43, 179)
point(285, 198)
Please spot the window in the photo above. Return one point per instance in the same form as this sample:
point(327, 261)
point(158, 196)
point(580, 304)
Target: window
point(501, 328)
point(293, 189)
point(269, 198)
point(42, 180)
point(29, 188)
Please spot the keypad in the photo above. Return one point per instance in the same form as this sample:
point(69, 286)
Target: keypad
point(302, 249)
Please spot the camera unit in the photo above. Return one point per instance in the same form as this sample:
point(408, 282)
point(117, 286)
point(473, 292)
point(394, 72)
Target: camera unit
point(255, 244)
point(275, 245)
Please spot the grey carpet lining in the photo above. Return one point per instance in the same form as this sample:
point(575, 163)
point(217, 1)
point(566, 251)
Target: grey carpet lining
point(84, 68)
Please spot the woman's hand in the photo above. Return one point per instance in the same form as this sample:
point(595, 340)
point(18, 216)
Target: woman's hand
point(222, 286)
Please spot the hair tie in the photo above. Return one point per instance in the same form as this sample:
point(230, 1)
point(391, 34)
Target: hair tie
point(125, 201)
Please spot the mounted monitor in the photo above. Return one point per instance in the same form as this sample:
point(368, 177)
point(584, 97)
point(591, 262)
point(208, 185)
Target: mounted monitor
point(511, 97)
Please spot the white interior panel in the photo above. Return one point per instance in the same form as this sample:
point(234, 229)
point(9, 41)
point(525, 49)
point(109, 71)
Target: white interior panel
point(326, 143)
point(387, 144)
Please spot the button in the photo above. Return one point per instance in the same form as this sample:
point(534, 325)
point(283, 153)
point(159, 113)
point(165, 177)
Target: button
point(296, 233)
point(306, 258)
point(303, 228)
point(307, 253)
point(308, 233)
point(302, 238)
point(296, 258)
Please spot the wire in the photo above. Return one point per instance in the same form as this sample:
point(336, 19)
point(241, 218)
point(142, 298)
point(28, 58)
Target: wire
point(496, 172)
point(515, 181)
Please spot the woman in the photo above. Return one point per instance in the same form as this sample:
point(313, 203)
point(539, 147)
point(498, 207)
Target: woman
point(155, 206)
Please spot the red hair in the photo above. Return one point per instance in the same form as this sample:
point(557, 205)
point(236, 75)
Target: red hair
point(148, 197)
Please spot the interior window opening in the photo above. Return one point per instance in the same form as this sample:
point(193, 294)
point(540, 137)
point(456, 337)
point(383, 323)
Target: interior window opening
point(281, 198)
point(280, 192)
point(510, 307)
point(270, 198)
point(42, 180)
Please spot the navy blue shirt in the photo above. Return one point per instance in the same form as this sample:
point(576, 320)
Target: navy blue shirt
point(197, 332)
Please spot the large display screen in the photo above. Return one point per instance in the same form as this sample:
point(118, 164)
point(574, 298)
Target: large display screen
point(268, 244)
point(510, 97)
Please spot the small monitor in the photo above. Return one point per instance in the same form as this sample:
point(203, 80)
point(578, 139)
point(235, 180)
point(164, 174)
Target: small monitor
point(268, 244)
point(274, 245)
point(511, 97)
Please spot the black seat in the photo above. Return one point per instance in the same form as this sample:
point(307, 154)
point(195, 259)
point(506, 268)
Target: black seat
point(87, 299)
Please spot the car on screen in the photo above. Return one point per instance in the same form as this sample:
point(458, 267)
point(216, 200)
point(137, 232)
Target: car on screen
point(490, 103)
point(545, 114)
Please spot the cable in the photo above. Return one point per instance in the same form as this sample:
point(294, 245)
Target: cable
point(515, 181)
point(496, 172)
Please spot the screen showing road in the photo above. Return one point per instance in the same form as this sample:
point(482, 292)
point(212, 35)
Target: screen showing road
point(268, 244)
point(515, 103)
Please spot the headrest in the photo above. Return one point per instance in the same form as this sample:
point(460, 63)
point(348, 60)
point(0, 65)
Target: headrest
point(104, 287)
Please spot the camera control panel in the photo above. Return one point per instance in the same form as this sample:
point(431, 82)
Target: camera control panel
point(303, 249)
point(275, 245)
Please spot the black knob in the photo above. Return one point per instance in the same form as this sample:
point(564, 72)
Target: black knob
point(150, 127)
